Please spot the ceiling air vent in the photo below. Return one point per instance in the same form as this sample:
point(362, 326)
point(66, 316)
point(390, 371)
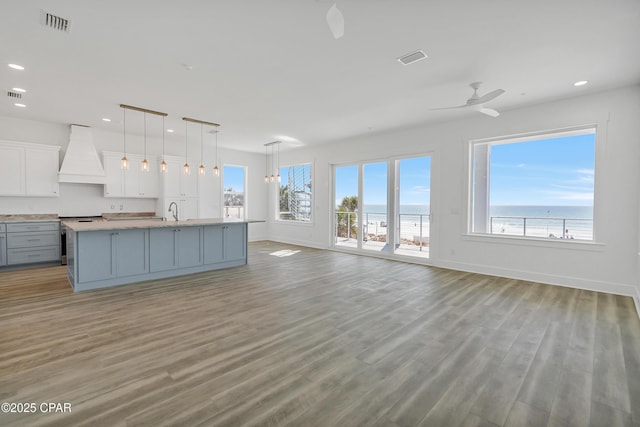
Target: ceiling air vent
point(55, 22)
point(412, 57)
point(14, 95)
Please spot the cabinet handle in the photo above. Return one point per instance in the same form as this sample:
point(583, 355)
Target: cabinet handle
point(33, 255)
point(33, 240)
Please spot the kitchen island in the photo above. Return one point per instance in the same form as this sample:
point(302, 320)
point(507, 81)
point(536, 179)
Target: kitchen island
point(111, 253)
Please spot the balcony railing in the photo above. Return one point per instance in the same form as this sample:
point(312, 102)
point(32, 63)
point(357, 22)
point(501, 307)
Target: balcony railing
point(553, 228)
point(413, 229)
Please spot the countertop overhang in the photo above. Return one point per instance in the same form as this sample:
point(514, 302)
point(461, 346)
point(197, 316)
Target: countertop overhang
point(131, 224)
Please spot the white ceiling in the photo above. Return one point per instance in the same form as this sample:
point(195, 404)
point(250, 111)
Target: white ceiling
point(266, 69)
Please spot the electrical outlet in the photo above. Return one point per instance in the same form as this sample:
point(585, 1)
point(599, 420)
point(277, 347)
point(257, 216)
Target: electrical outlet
point(121, 207)
point(113, 207)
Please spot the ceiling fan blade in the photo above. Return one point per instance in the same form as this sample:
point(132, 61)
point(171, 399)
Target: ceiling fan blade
point(489, 96)
point(489, 112)
point(450, 108)
point(335, 20)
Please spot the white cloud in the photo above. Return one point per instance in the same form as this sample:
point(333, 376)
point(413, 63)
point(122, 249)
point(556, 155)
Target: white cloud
point(421, 189)
point(570, 195)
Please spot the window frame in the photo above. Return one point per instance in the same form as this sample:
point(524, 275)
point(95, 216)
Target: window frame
point(517, 138)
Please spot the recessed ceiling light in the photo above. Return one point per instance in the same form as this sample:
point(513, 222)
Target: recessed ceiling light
point(16, 66)
point(286, 138)
point(106, 119)
point(19, 105)
point(19, 89)
point(581, 83)
point(170, 130)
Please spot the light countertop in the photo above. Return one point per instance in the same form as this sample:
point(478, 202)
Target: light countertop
point(131, 224)
point(28, 218)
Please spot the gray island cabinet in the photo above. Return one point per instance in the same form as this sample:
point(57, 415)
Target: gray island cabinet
point(107, 254)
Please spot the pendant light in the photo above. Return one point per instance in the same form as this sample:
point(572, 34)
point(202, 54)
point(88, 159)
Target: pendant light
point(124, 162)
point(216, 170)
point(278, 176)
point(145, 163)
point(163, 164)
point(272, 178)
point(201, 167)
point(266, 162)
point(185, 168)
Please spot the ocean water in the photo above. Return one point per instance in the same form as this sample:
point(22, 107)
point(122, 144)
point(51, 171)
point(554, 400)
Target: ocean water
point(569, 212)
point(561, 222)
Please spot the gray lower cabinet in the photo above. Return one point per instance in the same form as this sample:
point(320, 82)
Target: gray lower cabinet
point(224, 243)
point(175, 248)
point(111, 254)
point(31, 243)
point(101, 258)
point(3, 245)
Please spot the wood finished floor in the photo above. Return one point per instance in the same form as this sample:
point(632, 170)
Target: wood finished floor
point(318, 338)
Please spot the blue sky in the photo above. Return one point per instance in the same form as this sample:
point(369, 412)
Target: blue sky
point(547, 172)
point(233, 177)
point(551, 172)
point(415, 182)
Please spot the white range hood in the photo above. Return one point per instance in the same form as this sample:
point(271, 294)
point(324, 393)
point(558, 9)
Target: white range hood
point(81, 163)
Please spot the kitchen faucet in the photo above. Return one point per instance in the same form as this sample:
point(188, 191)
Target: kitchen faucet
point(175, 214)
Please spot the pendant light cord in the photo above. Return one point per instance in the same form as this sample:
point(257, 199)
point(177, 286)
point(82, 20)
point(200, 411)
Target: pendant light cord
point(144, 115)
point(124, 130)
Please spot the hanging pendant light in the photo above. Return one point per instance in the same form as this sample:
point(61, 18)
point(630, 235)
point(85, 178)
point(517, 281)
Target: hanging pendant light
point(124, 162)
point(201, 167)
point(216, 170)
point(272, 177)
point(145, 163)
point(163, 164)
point(278, 177)
point(185, 168)
point(266, 161)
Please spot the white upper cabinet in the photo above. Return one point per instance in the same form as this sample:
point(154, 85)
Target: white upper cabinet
point(175, 183)
point(29, 169)
point(133, 182)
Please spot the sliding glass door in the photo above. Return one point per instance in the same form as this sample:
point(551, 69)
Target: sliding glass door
point(374, 212)
point(369, 217)
point(346, 223)
point(413, 206)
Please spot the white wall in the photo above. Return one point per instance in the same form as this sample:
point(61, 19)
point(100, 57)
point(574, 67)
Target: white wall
point(87, 199)
point(609, 265)
point(612, 264)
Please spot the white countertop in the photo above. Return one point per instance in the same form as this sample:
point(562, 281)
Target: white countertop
point(130, 224)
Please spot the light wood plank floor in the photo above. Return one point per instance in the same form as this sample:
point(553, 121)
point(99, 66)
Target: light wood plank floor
point(303, 337)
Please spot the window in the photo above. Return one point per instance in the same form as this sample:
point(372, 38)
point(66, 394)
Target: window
point(234, 196)
point(538, 186)
point(295, 193)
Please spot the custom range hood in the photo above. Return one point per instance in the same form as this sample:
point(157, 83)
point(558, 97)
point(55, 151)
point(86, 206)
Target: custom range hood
point(81, 163)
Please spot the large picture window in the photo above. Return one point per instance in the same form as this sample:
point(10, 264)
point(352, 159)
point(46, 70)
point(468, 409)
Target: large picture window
point(295, 193)
point(539, 186)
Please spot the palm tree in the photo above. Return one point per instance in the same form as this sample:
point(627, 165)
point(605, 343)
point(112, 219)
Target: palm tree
point(347, 217)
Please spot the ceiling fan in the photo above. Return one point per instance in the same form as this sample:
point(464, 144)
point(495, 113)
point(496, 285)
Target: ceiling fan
point(477, 102)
